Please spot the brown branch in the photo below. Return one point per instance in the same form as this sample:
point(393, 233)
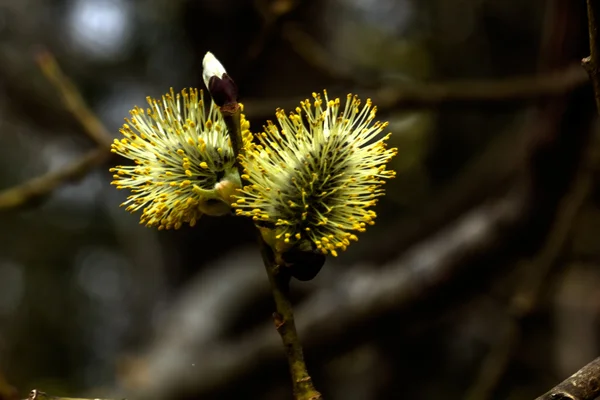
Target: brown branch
point(286, 327)
point(460, 93)
point(271, 13)
point(527, 293)
point(38, 187)
point(73, 100)
point(585, 383)
point(315, 54)
point(427, 95)
point(592, 63)
point(582, 385)
point(551, 84)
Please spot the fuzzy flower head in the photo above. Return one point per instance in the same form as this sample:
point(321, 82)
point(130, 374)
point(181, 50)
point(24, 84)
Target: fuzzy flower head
point(313, 180)
point(183, 161)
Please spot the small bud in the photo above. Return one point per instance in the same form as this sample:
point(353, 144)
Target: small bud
point(303, 265)
point(220, 85)
point(227, 189)
point(212, 67)
point(301, 260)
point(217, 202)
point(214, 207)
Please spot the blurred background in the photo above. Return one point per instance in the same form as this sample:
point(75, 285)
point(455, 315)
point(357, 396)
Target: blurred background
point(479, 280)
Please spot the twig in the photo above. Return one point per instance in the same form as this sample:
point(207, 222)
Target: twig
point(550, 84)
point(475, 93)
point(425, 95)
point(271, 12)
point(315, 54)
point(582, 385)
point(73, 100)
point(494, 364)
point(40, 186)
point(286, 327)
point(224, 93)
point(527, 294)
point(592, 63)
point(37, 395)
point(585, 383)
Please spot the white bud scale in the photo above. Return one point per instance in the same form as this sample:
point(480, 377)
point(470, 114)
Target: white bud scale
point(211, 67)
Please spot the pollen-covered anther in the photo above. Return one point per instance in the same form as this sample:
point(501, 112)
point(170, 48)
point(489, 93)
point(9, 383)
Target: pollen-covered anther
point(313, 178)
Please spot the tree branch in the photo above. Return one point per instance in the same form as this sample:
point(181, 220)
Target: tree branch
point(40, 186)
point(549, 84)
point(475, 93)
point(527, 291)
point(582, 385)
point(286, 327)
point(585, 383)
point(592, 63)
point(73, 100)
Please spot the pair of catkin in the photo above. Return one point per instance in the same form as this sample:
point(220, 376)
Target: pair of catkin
point(309, 181)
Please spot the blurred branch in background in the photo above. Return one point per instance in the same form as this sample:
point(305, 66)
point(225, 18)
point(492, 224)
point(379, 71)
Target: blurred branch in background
point(585, 383)
point(271, 13)
point(592, 63)
point(407, 96)
point(41, 186)
point(7, 392)
point(534, 278)
point(72, 100)
point(36, 188)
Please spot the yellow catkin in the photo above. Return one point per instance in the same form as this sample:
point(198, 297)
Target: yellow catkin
point(314, 177)
point(179, 148)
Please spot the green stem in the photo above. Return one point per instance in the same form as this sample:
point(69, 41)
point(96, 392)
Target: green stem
point(232, 113)
point(286, 327)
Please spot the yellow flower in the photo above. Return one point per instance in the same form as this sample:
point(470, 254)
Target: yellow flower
point(313, 180)
point(184, 163)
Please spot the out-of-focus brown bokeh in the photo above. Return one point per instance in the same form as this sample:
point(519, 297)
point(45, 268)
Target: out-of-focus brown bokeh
point(479, 281)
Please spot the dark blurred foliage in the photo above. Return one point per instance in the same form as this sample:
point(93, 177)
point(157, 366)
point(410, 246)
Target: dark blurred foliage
point(84, 289)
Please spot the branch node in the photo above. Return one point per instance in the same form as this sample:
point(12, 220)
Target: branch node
point(278, 320)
